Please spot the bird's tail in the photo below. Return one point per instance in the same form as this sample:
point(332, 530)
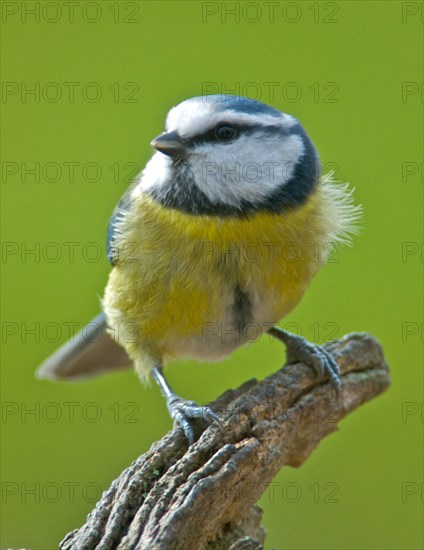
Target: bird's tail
point(90, 352)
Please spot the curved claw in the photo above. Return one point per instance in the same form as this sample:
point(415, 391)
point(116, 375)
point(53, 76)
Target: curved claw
point(182, 410)
point(299, 349)
point(332, 370)
point(211, 416)
point(182, 421)
point(323, 363)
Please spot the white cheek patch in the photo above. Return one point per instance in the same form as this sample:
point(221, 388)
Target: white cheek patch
point(156, 174)
point(248, 169)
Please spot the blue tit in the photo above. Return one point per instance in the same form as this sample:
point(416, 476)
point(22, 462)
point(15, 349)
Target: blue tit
point(214, 243)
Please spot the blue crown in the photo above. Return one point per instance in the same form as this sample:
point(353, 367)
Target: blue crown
point(238, 103)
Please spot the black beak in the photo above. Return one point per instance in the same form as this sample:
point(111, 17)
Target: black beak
point(169, 144)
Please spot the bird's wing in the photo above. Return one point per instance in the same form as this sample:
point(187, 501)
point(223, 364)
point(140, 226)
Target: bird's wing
point(112, 244)
point(91, 352)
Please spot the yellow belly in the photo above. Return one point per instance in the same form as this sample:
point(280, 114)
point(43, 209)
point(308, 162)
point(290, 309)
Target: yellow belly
point(173, 291)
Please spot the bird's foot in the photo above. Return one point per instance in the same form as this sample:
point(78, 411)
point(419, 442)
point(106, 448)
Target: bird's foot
point(184, 412)
point(300, 350)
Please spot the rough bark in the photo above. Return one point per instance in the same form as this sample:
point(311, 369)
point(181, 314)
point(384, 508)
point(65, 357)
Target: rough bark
point(174, 497)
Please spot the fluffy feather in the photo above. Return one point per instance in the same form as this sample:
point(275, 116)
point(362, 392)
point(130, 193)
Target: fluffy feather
point(203, 265)
point(172, 291)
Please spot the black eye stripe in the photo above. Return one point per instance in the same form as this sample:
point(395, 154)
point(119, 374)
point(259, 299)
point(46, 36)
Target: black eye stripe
point(242, 130)
point(210, 135)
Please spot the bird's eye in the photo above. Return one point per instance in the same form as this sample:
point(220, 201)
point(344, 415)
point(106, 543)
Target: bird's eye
point(225, 132)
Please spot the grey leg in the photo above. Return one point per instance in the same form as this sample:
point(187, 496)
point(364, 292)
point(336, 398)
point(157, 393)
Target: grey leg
point(180, 409)
point(300, 350)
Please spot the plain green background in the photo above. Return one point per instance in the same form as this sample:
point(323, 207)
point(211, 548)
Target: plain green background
point(351, 72)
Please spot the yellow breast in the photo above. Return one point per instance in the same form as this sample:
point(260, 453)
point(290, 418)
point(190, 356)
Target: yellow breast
point(180, 275)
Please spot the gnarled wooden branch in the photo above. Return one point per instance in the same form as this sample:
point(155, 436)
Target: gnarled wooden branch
point(203, 497)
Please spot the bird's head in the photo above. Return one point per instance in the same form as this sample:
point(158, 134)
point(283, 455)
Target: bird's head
point(228, 155)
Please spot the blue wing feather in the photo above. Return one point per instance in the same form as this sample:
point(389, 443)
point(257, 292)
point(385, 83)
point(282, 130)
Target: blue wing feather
point(122, 207)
